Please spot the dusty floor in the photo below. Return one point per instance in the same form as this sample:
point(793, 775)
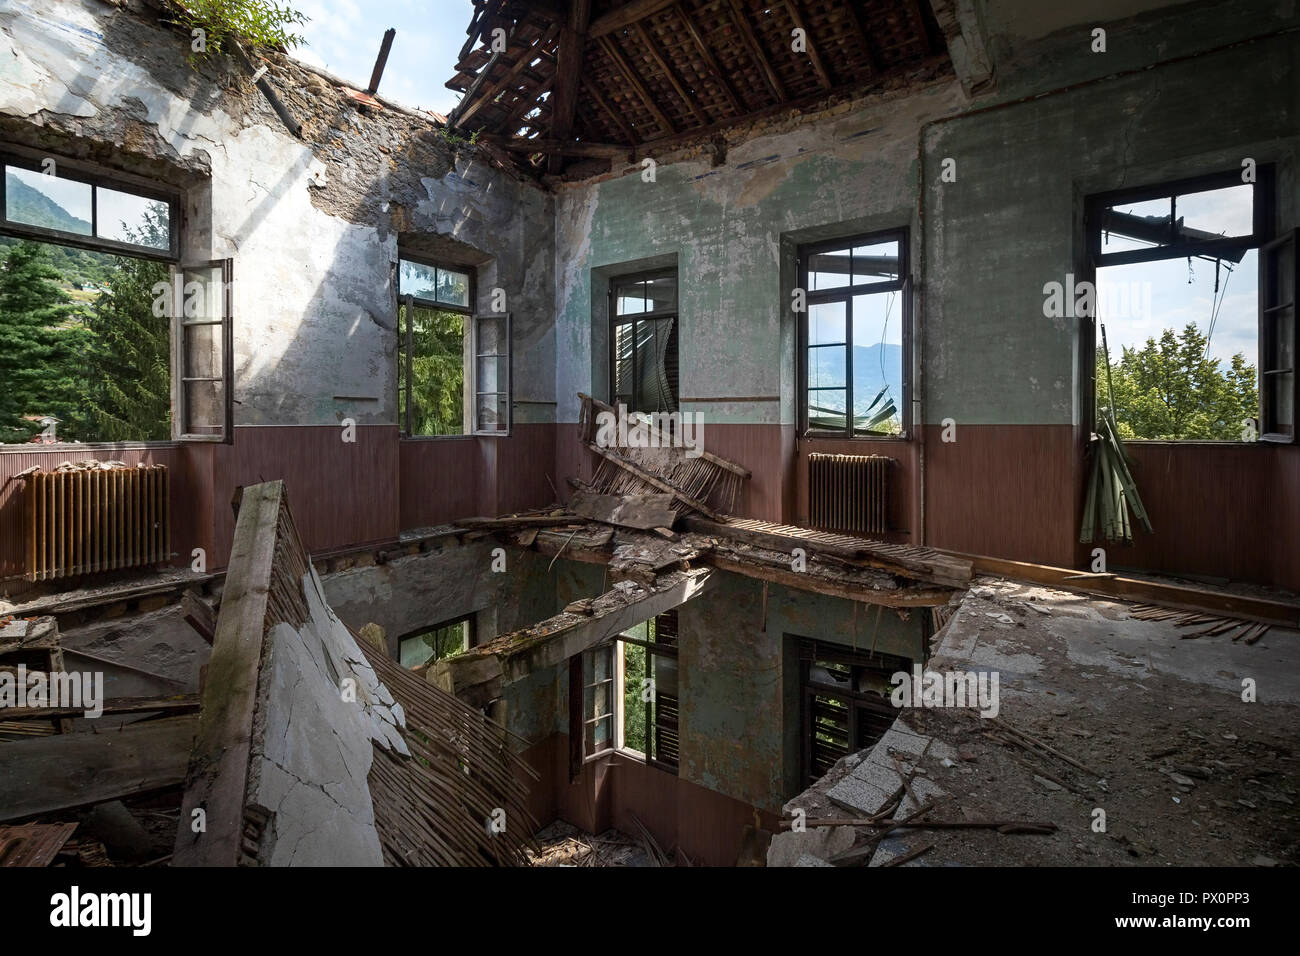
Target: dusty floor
point(565, 845)
point(1184, 770)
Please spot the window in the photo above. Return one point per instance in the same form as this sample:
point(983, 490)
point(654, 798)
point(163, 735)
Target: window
point(629, 694)
point(433, 317)
point(598, 699)
point(1178, 350)
point(46, 198)
point(439, 337)
point(437, 643)
point(643, 341)
point(844, 703)
point(109, 337)
point(854, 333)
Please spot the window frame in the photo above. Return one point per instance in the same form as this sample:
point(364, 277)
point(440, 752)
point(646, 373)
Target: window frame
point(405, 341)
point(475, 321)
point(470, 633)
point(615, 320)
point(178, 325)
point(811, 651)
point(652, 757)
point(1270, 318)
point(74, 171)
point(901, 285)
point(1094, 204)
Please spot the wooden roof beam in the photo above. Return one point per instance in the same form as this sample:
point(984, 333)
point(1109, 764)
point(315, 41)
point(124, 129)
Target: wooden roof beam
point(796, 14)
point(629, 134)
point(616, 55)
point(568, 71)
point(864, 37)
point(626, 15)
point(524, 59)
point(710, 61)
point(673, 79)
point(755, 49)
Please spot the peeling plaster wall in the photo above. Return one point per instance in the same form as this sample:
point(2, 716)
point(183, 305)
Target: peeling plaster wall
point(738, 680)
point(312, 749)
point(312, 224)
point(725, 226)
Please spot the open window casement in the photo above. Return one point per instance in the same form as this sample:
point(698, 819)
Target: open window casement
point(491, 374)
point(202, 352)
point(1279, 262)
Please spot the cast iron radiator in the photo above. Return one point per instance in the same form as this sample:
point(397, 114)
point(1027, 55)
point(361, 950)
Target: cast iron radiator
point(91, 519)
point(848, 493)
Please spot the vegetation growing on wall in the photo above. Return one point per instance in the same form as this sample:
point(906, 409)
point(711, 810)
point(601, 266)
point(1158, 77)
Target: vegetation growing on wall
point(214, 24)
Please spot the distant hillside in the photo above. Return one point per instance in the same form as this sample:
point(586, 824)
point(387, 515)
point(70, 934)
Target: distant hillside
point(868, 378)
point(79, 267)
point(32, 206)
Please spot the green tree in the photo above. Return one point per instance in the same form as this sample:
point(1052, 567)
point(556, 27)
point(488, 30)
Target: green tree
point(41, 343)
point(1170, 389)
point(129, 363)
point(438, 372)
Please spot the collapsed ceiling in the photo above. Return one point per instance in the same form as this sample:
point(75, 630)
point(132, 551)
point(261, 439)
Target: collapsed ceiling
point(554, 80)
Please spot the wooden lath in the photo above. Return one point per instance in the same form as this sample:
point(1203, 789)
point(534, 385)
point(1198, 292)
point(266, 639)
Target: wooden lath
point(653, 74)
point(433, 787)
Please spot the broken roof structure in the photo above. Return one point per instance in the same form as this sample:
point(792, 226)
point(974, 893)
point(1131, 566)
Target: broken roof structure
point(719, 440)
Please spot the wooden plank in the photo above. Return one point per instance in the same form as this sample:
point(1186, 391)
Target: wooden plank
point(64, 771)
point(381, 61)
point(199, 615)
point(219, 780)
point(519, 521)
point(120, 705)
point(1179, 596)
point(33, 845)
point(666, 441)
point(642, 512)
point(928, 564)
point(626, 15)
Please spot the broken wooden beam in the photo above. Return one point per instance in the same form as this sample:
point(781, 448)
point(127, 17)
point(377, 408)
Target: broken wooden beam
point(486, 669)
point(199, 615)
point(518, 521)
point(66, 771)
point(641, 512)
point(923, 564)
point(175, 704)
point(817, 584)
point(222, 751)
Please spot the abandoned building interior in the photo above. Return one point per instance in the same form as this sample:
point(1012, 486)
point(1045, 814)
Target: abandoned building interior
point(577, 478)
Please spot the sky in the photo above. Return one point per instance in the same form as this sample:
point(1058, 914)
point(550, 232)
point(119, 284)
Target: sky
point(1167, 294)
point(343, 37)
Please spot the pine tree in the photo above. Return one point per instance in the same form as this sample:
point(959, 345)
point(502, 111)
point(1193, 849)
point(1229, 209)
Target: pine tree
point(129, 365)
point(41, 342)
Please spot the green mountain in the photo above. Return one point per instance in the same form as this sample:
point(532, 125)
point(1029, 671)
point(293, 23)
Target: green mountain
point(80, 268)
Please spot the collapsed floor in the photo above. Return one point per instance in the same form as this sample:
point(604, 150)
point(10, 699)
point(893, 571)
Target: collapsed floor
point(1119, 741)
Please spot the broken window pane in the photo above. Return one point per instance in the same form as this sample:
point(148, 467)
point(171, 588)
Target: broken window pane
point(643, 368)
point(52, 202)
point(435, 644)
point(877, 363)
